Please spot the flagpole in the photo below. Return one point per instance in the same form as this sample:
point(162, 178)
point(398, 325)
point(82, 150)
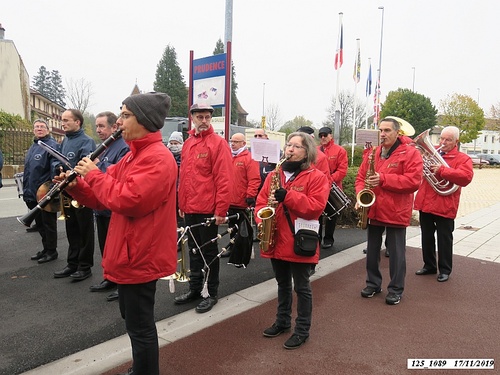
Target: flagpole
point(338, 59)
point(338, 64)
point(368, 90)
point(356, 76)
point(377, 110)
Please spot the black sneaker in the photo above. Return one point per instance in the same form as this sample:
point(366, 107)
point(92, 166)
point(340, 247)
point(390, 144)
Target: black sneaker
point(392, 298)
point(370, 291)
point(274, 331)
point(295, 341)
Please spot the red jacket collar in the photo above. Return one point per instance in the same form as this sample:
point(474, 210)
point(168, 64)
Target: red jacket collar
point(138, 144)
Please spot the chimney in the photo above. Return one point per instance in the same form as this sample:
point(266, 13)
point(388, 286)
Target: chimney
point(2, 32)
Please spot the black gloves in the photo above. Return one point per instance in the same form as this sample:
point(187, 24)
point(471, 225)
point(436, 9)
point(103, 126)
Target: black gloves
point(250, 201)
point(280, 194)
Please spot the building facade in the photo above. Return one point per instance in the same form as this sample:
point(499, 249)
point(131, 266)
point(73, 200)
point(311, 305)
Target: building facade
point(14, 85)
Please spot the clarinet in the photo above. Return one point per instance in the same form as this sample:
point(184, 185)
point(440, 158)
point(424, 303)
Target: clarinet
point(28, 218)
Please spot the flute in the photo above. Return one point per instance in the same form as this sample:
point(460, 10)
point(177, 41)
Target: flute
point(28, 218)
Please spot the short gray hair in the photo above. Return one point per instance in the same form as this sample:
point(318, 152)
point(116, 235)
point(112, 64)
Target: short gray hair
point(42, 121)
point(455, 132)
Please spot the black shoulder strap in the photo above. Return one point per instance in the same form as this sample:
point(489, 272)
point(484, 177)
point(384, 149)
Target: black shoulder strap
point(287, 214)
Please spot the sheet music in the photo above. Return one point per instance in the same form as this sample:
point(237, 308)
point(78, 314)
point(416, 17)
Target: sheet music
point(265, 150)
point(306, 224)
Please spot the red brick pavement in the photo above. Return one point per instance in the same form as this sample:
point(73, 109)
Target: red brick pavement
point(353, 335)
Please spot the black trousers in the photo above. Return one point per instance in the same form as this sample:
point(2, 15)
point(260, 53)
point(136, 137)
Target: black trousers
point(285, 272)
point(203, 234)
point(429, 225)
point(102, 224)
point(396, 244)
point(47, 227)
point(80, 232)
point(137, 302)
point(327, 228)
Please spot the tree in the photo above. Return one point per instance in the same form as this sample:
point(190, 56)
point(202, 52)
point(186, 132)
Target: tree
point(169, 80)
point(463, 112)
point(292, 125)
point(415, 108)
point(346, 103)
point(50, 85)
point(79, 94)
point(58, 93)
point(273, 117)
point(495, 116)
point(41, 82)
point(219, 48)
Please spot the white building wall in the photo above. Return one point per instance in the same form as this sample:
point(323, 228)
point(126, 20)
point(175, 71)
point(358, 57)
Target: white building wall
point(488, 142)
point(14, 81)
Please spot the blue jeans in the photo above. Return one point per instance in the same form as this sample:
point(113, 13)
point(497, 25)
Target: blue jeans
point(284, 271)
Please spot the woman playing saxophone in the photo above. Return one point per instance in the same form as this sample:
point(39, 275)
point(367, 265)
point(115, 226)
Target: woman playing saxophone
point(299, 191)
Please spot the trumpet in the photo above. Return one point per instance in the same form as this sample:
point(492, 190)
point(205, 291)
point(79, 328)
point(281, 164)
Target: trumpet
point(58, 188)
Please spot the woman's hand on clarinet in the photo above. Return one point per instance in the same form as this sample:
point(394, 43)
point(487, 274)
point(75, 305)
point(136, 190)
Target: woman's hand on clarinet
point(63, 176)
point(86, 165)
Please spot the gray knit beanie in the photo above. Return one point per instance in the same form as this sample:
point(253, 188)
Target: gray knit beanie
point(150, 109)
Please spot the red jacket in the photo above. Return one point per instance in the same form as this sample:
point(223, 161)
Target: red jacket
point(140, 192)
point(322, 164)
point(400, 177)
point(245, 180)
point(337, 161)
point(306, 198)
point(205, 174)
point(460, 173)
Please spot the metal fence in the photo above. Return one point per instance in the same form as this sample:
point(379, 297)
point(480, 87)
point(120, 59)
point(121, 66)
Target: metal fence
point(14, 144)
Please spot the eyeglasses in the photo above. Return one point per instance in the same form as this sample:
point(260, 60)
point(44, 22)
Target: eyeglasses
point(259, 136)
point(201, 117)
point(323, 135)
point(298, 147)
point(231, 141)
point(125, 115)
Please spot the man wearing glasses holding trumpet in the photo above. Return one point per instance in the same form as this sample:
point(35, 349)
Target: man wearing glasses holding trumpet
point(141, 243)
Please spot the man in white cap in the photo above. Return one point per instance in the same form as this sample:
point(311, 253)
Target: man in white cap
point(204, 191)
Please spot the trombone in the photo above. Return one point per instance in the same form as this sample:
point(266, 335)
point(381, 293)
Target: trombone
point(63, 205)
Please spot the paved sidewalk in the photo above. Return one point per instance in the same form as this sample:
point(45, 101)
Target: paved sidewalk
point(455, 319)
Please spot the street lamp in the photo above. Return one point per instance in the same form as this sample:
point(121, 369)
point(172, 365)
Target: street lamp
point(413, 86)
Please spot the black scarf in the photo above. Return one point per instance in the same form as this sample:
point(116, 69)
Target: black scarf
point(292, 166)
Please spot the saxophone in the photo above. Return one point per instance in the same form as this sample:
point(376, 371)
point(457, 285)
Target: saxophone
point(366, 197)
point(267, 214)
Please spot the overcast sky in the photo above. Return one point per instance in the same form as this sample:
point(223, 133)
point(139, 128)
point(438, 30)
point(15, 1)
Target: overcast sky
point(288, 45)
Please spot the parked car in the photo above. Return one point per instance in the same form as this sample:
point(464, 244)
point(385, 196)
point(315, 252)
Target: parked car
point(491, 158)
point(476, 160)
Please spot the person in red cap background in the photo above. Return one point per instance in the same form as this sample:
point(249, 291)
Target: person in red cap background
point(337, 162)
point(204, 191)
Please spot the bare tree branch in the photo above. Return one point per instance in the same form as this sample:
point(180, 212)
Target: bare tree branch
point(79, 93)
point(273, 117)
